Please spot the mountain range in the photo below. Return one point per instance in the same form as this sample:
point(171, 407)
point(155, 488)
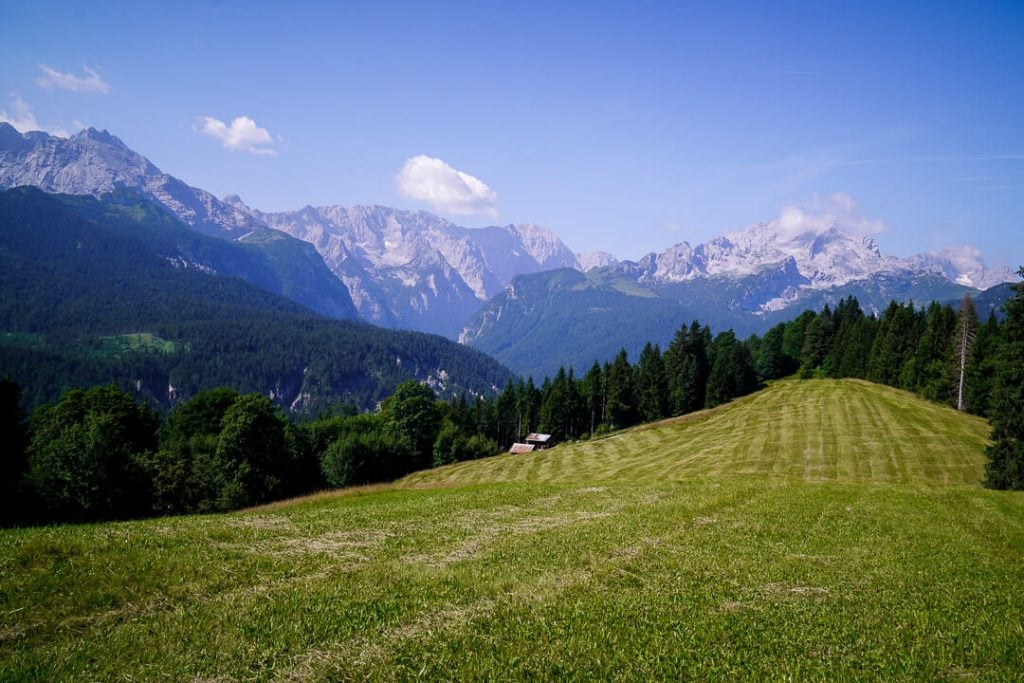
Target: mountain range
point(515, 291)
point(415, 270)
point(746, 280)
point(405, 269)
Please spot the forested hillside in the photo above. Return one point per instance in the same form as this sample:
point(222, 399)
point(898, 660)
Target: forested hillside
point(83, 304)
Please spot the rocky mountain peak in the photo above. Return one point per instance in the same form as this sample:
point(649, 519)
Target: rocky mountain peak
point(94, 162)
point(101, 136)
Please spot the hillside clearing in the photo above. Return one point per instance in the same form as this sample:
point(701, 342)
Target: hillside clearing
point(812, 431)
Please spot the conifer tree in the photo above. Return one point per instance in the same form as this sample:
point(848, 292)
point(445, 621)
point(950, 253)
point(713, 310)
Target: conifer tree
point(817, 340)
point(556, 406)
point(621, 410)
point(1005, 469)
point(651, 385)
point(929, 375)
point(984, 364)
point(732, 373)
point(687, 366)
point(592, 390)
point(771, 361)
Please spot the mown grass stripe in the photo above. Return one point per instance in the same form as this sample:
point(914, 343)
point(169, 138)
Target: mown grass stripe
point(822, 430)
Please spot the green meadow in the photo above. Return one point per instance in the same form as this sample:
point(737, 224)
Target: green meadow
point(815, 530)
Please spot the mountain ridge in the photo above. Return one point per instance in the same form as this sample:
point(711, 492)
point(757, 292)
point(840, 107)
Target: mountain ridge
point(415, 269)
point(98, 164)
point(72, 314)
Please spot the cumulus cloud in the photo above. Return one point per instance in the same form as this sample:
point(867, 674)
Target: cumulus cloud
point(90, 82)
point(447, 189)
point(24, 120)
point(821, 213)
point(243, 135)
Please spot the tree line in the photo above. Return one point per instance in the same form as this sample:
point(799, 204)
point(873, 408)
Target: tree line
point(100, 454)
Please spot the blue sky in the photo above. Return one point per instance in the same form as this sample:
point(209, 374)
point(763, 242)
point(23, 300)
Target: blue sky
point(623, 127)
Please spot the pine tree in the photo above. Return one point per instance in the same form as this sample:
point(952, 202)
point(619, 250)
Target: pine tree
point(621, 411)
point(1005, 469)
point(687, 366)
point(817, 341)
point(771, 361)
point(507, 416)
point(930, 373)
point(732, 373)
point(651, 385)
point(592, 390)
point(983, 367)
point(556, 406)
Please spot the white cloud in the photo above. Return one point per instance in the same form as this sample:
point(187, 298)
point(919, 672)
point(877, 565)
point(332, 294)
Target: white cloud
point(90, 82)
point(243, 135)
point(22, 118)
point(447, 189)
point(821, 213)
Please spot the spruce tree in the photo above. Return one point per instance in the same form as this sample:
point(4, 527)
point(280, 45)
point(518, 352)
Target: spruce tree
point(1005, 469)
point(593, 396)
point(983, 367)
point(732, 373)
point(687, 366)
point(651, 385)
point(771, 361)
point(621, 392)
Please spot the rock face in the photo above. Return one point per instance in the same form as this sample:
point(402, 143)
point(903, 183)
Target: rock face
point(416, 270)
point(95, 162)
point(231, 240)
point(595, 259)
point(406, 269)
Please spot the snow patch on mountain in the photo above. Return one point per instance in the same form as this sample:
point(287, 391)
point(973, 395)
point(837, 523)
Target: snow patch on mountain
point(963, 264)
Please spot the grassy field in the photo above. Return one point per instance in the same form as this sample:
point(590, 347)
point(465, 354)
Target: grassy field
point(751, 566)
point(825, 430)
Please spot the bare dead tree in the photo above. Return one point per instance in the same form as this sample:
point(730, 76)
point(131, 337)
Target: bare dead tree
point(967, 321)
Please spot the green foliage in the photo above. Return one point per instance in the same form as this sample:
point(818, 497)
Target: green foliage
point(732, 373)
point(185, 470)
point(86, 455)
point(453, 445)
point(687, 365)
point(413, 415)
point(621, 408)
point(102, 303)
point(367, 457)
point(560, 407)
point(1005, 469)
point(253, 457)
point(772, 361)
point(651, 385)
